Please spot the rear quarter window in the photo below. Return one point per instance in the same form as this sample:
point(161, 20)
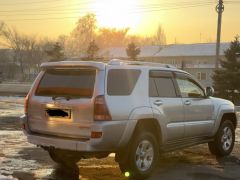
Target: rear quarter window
point(121, 82)
point(67, 82)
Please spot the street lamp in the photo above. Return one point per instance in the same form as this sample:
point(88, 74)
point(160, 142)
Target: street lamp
point(219, 9)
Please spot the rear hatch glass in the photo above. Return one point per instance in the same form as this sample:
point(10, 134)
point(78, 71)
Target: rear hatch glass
point(62, 82)
point(63, 103)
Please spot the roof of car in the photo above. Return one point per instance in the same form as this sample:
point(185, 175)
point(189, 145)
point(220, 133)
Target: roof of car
point(115, 62)
point(143, 64)
point(74, 64)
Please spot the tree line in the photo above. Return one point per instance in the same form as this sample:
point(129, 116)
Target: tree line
point(85, 40)
point(25, 53)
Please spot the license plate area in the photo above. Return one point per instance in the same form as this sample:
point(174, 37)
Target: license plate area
point(57, 113)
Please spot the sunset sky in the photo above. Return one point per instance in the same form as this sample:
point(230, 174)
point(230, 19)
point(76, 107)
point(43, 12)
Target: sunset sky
point(186, 21)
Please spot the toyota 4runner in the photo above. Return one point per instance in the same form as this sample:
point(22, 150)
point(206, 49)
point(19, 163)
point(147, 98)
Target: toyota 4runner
point(82, 109)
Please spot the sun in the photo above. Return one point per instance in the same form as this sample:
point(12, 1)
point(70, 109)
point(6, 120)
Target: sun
point(117, 13)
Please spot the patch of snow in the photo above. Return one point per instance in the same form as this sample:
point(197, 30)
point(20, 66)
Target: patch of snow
point(2, 177)
point(11, 106)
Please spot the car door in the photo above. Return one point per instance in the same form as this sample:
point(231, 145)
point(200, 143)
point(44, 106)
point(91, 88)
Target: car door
point(166, 103)
point(198, 108)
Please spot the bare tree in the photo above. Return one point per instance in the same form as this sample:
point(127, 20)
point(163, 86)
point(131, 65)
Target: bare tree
point(26, 49)
point(92, 50)
point(140, 40)
point(56, 52)
point(13, 40)
point(160, 36)
point(111, 37)
point(35, 54)
point(81, 36)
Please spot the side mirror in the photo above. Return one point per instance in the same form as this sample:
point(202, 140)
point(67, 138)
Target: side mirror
point(209, 91)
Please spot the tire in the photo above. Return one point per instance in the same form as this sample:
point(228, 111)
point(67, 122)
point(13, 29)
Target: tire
point(64, 158)
point(143, 156)
point(224, 140)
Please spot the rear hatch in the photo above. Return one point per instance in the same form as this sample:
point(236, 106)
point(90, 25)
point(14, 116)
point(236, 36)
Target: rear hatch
point(62, 100)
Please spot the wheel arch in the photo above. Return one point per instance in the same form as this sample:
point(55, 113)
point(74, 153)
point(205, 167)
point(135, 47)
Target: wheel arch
point(230, 116)
point(224, 112)
point(146, 124)
point(151, 125)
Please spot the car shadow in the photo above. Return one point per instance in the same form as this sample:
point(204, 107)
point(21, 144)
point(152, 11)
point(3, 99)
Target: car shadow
point(197, 163)
point(23, 175)
point(63, 173)
point(93, 168)
point(228, 160)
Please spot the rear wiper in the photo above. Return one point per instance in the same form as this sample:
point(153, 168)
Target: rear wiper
point(63, 97)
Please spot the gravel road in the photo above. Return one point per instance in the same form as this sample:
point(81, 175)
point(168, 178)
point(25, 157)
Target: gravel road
point(21, 160)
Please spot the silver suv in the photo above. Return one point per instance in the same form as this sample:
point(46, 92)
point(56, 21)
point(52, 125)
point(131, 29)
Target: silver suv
point(79, 109)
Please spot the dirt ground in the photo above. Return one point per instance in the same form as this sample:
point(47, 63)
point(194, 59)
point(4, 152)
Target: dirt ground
point(21, 160)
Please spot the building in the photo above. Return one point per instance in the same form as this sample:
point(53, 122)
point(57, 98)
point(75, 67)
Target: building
point(120, 52)
point(197, 59)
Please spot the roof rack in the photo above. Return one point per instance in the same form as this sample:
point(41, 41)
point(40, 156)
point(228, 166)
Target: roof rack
point(124, 62)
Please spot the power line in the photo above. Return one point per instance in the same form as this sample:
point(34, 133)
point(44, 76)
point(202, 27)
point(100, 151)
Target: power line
point(45, 9)
point(137, 11)
point(59, 12)
point(37, 2)
point(153, 6)
point(82, 3)
point(89, 2)
point(52, 1)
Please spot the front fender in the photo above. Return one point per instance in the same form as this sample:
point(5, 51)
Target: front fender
point(223, 109)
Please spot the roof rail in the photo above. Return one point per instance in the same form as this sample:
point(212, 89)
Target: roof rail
point(124, 62)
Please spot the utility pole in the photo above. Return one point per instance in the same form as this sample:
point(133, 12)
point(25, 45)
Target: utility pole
point(219, 9)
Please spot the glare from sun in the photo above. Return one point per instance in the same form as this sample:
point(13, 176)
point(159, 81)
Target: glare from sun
point(117, 13)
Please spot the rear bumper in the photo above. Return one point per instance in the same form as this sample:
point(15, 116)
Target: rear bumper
point(58, 143)
point(112, 132)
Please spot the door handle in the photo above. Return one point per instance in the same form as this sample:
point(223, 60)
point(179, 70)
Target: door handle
point(187, 102)
point(158, 102)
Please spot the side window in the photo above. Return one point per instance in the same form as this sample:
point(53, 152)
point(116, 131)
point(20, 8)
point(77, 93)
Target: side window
point(161, 86)
point(165, 87)
point(121, 82)
point(189, 89)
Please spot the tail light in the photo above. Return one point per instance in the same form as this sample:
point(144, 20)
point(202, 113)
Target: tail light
point(26, 104)
point(101, 112)
point(96, 135)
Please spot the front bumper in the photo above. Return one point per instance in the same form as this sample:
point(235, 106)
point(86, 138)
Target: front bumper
point(112, 132)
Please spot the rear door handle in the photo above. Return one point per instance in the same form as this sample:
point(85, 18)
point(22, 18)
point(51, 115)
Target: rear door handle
point(158, 102)
point(187, 102)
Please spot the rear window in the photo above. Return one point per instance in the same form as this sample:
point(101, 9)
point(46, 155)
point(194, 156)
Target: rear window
point(121, 82)
point(71, 82)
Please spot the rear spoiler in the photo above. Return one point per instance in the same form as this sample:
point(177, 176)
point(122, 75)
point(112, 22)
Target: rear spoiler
point(73, 65)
